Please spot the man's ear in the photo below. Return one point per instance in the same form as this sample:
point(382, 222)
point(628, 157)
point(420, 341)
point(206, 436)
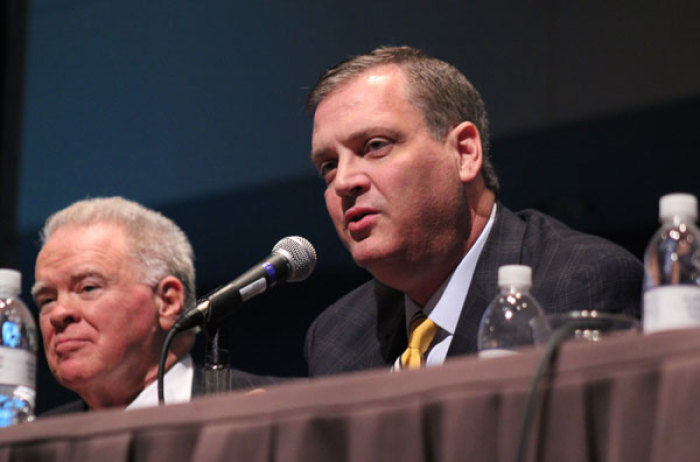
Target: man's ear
point(466, 140)
point(169, 300)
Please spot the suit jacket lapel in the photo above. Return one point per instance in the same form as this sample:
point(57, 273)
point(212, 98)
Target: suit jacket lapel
point(391, 322)
point(503, 247)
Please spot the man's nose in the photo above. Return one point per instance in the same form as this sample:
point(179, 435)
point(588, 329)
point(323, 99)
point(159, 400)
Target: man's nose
point(351, 178)
point(64, 313)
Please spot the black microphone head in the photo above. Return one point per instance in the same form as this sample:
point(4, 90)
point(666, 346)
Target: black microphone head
point(300, 254)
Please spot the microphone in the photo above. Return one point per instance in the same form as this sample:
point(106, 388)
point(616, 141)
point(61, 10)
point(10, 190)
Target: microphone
point(292, 259)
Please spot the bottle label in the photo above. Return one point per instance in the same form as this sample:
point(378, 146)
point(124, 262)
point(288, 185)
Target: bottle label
point(671, 307)
point(17, 367)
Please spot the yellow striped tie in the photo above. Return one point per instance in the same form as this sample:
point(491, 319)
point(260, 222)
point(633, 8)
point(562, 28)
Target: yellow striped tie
point(421, 336)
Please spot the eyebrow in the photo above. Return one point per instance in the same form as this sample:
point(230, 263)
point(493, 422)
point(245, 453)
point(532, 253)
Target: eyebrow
point(37, 288)
point(40, 287)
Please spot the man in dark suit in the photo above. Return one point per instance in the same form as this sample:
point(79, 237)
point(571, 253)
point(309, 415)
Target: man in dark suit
point(111, 279)
point(401, 140)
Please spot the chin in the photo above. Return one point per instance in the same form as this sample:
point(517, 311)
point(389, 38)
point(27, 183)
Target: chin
point(368, 256)
point(362, 252)
point(70, 375)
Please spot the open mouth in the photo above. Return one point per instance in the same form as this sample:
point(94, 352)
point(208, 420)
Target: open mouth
point(358, 217)
point(358, 224)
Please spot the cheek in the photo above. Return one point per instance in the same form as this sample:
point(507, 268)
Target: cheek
point(142, 316)
point(115, 336)
point(333, 205)
point(45, 327)
point(122, 316)
point(126, 321)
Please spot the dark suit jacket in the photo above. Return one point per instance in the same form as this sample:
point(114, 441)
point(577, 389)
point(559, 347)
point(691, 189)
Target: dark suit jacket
point(571, 271)
point(77, 405)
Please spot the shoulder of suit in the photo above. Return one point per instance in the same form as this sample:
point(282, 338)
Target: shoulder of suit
point(72, 406)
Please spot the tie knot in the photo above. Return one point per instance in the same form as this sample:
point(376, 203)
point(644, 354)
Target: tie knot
point(422, 332)
point(419, 339)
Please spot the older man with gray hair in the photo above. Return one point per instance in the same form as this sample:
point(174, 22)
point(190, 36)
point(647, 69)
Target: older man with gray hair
point(111, 279)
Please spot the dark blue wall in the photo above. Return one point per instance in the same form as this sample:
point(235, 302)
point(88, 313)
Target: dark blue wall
point(196, 109)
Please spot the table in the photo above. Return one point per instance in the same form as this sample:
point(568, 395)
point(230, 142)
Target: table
point(631, 398)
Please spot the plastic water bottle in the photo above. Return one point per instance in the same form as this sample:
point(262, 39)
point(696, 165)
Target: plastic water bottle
point(508, 322)
point(672, 267)
point(17, 352)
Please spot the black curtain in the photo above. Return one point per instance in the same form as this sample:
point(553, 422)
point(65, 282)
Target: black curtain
point(13, 28)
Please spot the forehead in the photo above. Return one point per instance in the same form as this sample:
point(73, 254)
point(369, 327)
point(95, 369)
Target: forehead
point(99, 244)
point(377, 97)
point(381, 83)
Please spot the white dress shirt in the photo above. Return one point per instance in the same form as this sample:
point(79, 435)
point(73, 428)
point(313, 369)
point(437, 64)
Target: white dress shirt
point(177, 386)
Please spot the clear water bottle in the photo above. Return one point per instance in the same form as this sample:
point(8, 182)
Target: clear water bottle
point(17, 352)
point(672, 267)
point(508, 322)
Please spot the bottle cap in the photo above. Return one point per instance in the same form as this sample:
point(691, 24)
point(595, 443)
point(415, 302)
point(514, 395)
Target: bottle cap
point(10, 280)
point(678, 204)
point(515, 275)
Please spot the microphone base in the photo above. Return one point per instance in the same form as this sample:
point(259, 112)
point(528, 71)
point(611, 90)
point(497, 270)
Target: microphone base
point(215, 375)
point(211, 381)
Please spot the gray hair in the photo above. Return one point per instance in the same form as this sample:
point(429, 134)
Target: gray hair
point(439, 90)
point(159, 247)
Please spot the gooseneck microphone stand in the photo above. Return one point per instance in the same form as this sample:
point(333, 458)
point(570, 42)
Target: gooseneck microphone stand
point(215, 375)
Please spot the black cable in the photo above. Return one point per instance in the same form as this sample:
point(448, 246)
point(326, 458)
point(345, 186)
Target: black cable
point(161, 365)
point(543, 369)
